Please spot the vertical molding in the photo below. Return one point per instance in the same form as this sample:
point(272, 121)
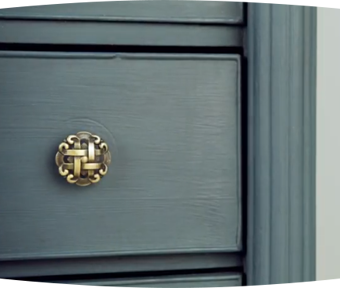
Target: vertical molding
point(281, 154)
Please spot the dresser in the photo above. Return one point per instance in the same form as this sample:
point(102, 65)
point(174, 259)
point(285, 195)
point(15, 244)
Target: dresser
point(130, 148)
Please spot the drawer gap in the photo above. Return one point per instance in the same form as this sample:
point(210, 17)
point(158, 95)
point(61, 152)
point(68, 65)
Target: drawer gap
point(119, 48)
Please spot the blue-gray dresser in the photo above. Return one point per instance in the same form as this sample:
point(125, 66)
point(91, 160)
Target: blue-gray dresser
point(122, 139)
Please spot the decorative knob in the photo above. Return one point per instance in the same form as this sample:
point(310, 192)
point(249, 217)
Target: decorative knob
point(83, 158)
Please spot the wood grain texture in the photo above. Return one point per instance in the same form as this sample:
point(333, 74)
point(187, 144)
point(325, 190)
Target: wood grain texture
point(281, 206)
point(118, 33)
point(209, 280)
point(172, 122)
point(135, 11)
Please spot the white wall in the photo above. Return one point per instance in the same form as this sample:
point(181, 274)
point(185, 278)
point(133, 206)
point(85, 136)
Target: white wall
point(328, 144)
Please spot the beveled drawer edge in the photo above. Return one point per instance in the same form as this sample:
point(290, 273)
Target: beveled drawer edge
point(227, 21)
point(227, 277)
point(123, 55)
point(120, 264)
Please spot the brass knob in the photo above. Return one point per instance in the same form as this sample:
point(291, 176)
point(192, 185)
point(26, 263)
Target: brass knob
point(83, 158)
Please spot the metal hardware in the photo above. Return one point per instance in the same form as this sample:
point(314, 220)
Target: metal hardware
point(83, 159)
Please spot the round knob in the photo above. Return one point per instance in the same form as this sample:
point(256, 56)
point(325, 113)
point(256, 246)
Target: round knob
point(83, 158)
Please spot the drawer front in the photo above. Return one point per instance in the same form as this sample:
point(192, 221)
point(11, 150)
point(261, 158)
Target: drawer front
point(219, 280)
point(172, 125)
point(120, 33)
point(151, 23)
point(202, 12)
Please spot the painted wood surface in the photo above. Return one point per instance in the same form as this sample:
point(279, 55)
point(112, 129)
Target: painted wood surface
point(208, 280)
point(203, 12)
point(118, 33)
point(281, 123)
point(172, 122)
point(70, 265)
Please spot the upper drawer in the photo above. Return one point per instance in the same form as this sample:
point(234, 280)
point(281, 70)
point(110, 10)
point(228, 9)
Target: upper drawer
point(200, 12)
point(172, 125)
point(168, 23)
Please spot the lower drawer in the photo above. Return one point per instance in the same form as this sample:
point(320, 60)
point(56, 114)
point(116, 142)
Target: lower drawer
point(208, 280)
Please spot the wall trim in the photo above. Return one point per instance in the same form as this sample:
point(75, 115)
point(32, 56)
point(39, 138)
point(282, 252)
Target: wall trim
point(281, 50)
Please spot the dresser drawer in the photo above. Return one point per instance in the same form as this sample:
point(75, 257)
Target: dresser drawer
point(194, 280)
point(148, 23)
point(203, 12)
point(172, 125)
